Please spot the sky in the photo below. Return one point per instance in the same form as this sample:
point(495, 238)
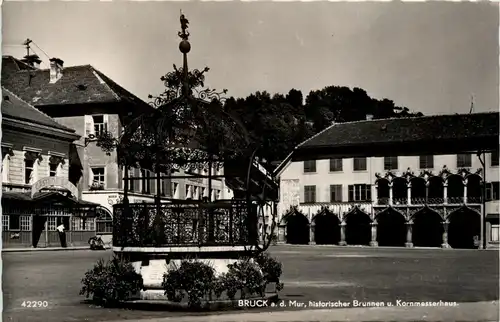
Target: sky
point(430, 57)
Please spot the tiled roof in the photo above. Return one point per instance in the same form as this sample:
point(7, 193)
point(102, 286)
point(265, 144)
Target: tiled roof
point(15, 108)
point(406, 130)
point(78, 85)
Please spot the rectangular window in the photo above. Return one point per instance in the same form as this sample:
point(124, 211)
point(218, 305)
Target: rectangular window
point(98, 176)
point(53, 169)
point(426, 162)
point(26, 223)
point(335, 165)
point(100, 126)
point(310, 166)
point(494, 158)
point(360, 192)
point(76, 224)
point(309, 194)
point(495, 232)
point(29, 168)
point(89, 224)
point(336, 193)
point(464, 160)
point(492, 190)
point(359, 164)
point(51, 223)
point(390, 163)
point(5, 222)
point(163, 190)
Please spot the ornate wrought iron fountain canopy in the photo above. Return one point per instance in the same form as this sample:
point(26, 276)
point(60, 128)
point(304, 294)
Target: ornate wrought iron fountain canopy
point(189, 129)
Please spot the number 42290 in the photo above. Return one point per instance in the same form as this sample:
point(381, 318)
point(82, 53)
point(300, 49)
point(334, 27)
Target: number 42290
point(35, 304)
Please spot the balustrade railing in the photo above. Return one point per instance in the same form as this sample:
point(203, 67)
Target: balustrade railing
point(383, 201)
point(418, 201)
point(400, 201)
point(474, 199)
point(455, 200)
point(222, 223)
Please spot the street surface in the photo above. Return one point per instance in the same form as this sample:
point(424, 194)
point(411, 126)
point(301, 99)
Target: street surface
point(311, 273)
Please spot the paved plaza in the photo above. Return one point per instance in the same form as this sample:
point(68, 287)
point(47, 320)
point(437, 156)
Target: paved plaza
point(311, 273)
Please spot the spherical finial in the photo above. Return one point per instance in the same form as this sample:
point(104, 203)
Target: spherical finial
point(184, 46)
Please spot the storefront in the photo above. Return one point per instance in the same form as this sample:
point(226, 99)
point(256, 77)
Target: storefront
point(32, 218)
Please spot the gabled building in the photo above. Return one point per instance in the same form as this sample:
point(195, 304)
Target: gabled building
point(84, 99)
point(395, 182)
point(37, 192)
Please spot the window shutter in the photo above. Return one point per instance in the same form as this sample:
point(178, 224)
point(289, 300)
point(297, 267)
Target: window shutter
point(89, 125)
point(488, 191)
point(91, 176)
point(106, 121)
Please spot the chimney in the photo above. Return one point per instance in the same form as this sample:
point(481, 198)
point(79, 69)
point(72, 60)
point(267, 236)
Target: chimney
point(369, 117)
point(56, 69)
point(32, 60)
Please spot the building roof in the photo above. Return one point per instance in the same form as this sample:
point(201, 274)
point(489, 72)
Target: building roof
point(438, 134)
point(15, 108)
point(78, 85)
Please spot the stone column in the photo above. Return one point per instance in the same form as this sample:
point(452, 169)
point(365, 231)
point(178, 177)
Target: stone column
point(465, 191)
point(342, 234)
point(409, 193)
point(374, 242)
point(390, 193)
point(312, 240)
point(445, 193)
point(445, 235)
point(409, 237)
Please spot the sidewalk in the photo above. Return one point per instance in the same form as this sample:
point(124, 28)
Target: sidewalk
point(46, 249)
point(480, 311)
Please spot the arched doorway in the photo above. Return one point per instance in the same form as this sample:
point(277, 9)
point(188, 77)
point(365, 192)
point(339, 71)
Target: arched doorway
point(455, 189)
point(474, 190)
point(383, 191)
point(297, 229)
point(418, 191)
point(435, 192)
point(464, 225)
point(427, 229)
point(327, 229)
point(358, 229)
point(391, 228)
point(399, 191)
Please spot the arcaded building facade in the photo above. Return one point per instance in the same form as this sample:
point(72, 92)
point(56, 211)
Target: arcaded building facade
point(429, 200)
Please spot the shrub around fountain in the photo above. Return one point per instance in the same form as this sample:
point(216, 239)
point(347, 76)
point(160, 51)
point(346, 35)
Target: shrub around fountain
point(196, 282)
point(111, 282)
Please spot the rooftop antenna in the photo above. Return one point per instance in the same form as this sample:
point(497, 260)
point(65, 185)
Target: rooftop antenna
point(27, 43)
point(471, 104)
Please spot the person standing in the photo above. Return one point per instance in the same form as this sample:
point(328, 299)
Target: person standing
point(62, 234)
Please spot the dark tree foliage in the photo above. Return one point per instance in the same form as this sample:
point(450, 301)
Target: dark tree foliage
point(277, 123)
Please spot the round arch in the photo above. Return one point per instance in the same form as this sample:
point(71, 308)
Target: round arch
point(326, 229)
point(418, 190)
point(427, 230)
point(435, 190)
point(104, 221)
point(383, 191)
point(455, 188)
point(474, 190)
point(399, 190)
point(297, 229)
point(391, 228)
point(358, 229)
point(463, 228)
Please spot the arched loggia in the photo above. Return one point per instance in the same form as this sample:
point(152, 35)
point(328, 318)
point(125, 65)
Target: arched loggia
point(399, 191)
point(383, 191)
point(327, 229)
point(435, 190)
point(455, 189)
point(418, 191)
point(391, 228)
point(464, 226)
point(358, 229)
point(427, 228)
point(474, 190)
point(297, 229)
